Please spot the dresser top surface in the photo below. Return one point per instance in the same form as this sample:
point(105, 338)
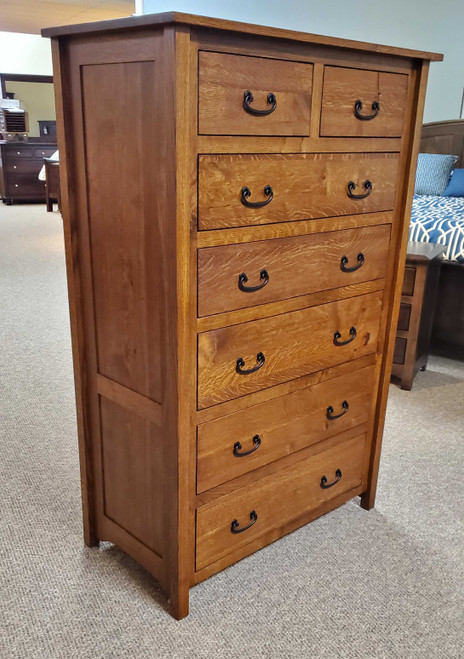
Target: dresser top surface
point(169, 18)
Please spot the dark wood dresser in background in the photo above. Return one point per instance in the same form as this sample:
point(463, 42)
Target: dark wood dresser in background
point(20, 164)
point(234, 309)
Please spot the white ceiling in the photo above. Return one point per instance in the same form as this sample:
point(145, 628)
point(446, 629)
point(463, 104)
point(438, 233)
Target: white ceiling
point(32, 15)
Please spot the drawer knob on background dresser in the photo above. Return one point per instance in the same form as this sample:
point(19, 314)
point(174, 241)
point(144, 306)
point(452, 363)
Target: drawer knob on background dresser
point(330, 411)
point(344, 260)
point(242, 279)
point(248, 99)
point(325, 485)
point(235, 526)
point(366, 117)
point(246, 192)
point(367, 185)
point(238, 447)
point(338, 336)
point(260, 358)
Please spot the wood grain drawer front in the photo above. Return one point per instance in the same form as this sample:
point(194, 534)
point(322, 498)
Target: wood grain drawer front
point(287, 267)
point(409, 281)
point(223, 81)
point(25, 166)
point(19, 152)
point(44, 153)
point(24, 184)
point(284, 347)
point(277, 499)
point(240, 442)
point(360, 103)
point(290, 187)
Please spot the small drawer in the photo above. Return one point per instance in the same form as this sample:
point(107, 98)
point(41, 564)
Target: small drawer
point(244, 190)
point(236, 444)
point(400, 350)
point(409, 281)
point(404, 317)
point(44, 153)
point(241, 95)
point(240, 359)
point(361, 103)
point(244, 275)
point(18, 152)
point(225, 525)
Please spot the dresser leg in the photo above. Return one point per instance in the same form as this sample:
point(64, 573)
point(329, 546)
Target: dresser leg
point(368, 499)
point(179, 604)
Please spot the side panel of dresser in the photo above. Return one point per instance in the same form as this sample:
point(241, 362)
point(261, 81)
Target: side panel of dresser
point(119, 210)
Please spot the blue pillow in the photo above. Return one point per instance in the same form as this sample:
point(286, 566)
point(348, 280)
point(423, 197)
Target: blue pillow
point(456, 185)
point(433, 173)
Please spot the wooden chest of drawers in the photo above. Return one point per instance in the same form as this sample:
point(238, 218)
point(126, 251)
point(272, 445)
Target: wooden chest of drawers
point(234, 308)
point(20, 164)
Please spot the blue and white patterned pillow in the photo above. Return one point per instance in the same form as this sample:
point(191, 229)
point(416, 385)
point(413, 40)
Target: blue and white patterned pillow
point(433, 173)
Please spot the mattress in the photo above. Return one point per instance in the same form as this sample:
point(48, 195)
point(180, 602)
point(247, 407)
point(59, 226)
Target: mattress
point(439, 220)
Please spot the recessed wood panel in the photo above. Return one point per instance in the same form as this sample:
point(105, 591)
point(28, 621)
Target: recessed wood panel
point(287, 267)
point(133, 470)
point(400, 350)
point(283, 425)
point(277, 499)
point(296, 187)
point(223, 80)
point(293, 345)
point(409, 280)
point(124, 232)
point(404, 317)
point(343, 116)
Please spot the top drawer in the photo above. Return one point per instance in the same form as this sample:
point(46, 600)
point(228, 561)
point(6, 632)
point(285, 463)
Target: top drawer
point(17, 152)
point(361, 103)
point(242, 95)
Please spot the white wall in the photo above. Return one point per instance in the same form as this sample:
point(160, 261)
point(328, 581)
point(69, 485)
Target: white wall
point(433, 25)
point(25, 53)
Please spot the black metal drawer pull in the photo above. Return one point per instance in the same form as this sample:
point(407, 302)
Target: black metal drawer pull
point(367, 185)
point(330, 411)
point(358, 106)
point(238, 447)
point(242, 279)
point(338, 336)
point(246, 371)
point(246, 192)
point(325, 485)
point(235, 526)
point(344, 260)
point(248, 99)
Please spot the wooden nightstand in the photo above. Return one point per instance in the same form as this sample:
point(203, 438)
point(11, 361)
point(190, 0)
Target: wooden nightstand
point(416, 311)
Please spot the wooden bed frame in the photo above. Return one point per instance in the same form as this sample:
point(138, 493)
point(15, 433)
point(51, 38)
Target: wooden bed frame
point(448, 326)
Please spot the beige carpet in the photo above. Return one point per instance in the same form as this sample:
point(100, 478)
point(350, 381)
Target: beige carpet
point(383, 584)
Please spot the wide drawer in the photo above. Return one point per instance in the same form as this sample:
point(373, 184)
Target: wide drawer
point(241, 95)
point(17, 166)
point(240, 190)
point(25, 184)
point(17, 151)
point(237, 276)
point(233, 445)
point(361, 103)
point(277, 499)
point(240, 359)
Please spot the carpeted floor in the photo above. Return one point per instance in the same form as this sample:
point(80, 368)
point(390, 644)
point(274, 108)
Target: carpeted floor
point(383, 584)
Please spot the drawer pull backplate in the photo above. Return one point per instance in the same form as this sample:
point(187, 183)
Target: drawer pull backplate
point(325, 485)
point(330, 411)
point(242, 279)
point(367, 185)
point(246, 192)
point(246, 371)
point(344, 260)
point(338, 336)
point(238, 447)
point(235, 526)
point(366, 117)
point(248, 99)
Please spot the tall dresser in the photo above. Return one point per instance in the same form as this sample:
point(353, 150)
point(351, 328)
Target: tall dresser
point(235, 201)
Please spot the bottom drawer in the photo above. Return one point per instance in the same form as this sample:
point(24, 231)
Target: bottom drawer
point(243, 516)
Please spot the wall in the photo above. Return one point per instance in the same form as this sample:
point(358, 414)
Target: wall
point(25, 53)
point(38, 99)
point(422, 24)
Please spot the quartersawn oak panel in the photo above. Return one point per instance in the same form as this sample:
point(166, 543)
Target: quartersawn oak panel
point(284, 425)
point(124, 232)
point(276, 499)
point(293, 344)
point(295, 266)
point(133, 473)
point(224, 78)
point(305, 186)
point(343, 87)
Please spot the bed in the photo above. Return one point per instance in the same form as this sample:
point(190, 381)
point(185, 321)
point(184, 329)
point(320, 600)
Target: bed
point(441, 220)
